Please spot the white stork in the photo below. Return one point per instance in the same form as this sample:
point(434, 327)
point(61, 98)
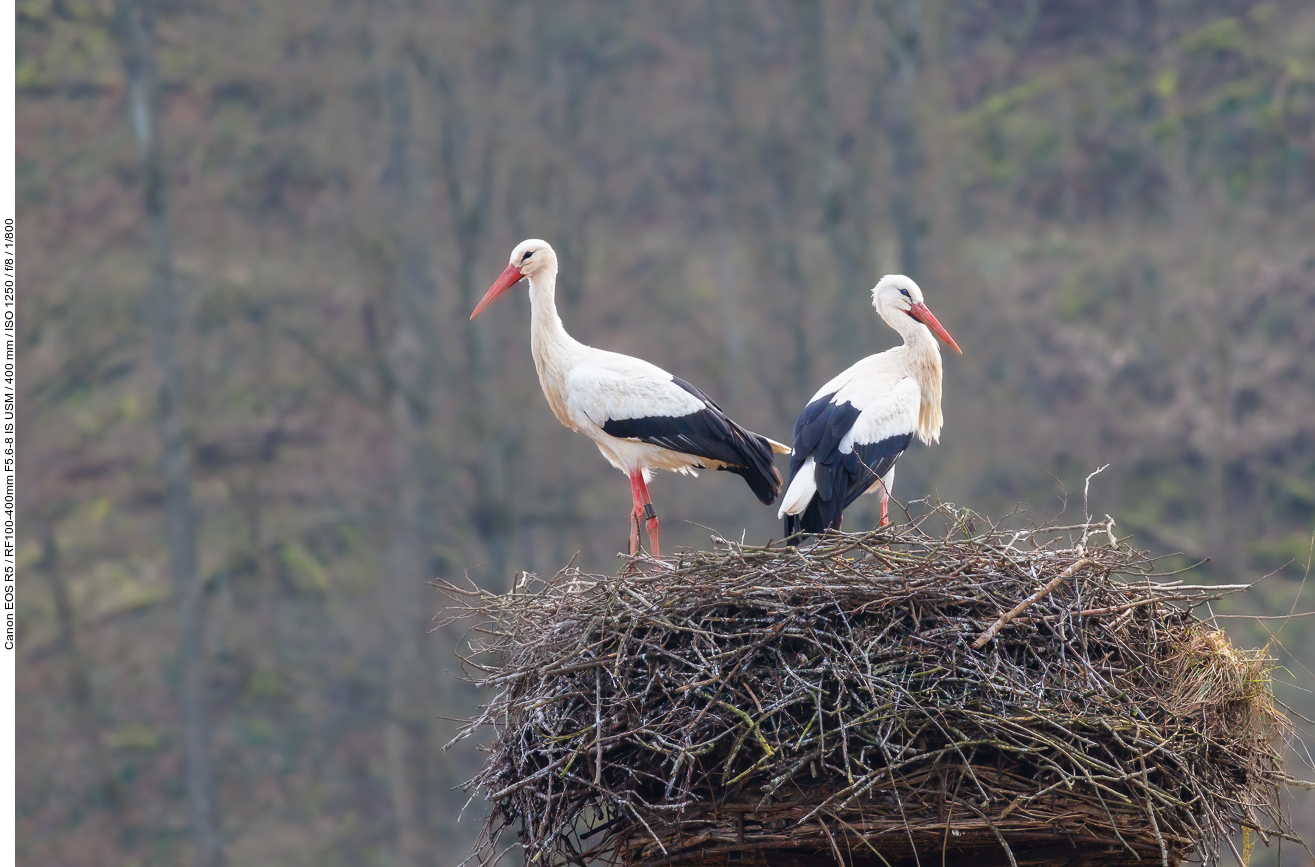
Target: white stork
point(847, 439)
point(640, 417)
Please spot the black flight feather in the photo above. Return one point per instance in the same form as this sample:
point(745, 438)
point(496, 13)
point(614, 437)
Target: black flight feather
point(709, 434)
point(840, 478)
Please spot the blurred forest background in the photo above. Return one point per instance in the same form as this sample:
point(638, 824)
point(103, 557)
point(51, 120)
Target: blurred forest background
point(255, 420)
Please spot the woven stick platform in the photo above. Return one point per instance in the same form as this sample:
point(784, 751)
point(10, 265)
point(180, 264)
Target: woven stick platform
point(962, 694)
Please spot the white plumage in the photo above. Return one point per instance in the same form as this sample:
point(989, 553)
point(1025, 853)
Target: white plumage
point(606, 385)
point(640, 416)
point(852, 431)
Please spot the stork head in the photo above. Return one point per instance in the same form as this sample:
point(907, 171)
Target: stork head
point(528, 259)
point(896, 296)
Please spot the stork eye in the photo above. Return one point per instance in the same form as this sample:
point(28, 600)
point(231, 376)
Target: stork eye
point(528, 254)
point(905, 293)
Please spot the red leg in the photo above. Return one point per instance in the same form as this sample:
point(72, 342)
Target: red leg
point(637, 495)
point(651, 525)
point(884, 499)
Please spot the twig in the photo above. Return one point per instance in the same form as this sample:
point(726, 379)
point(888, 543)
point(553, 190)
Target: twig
point(1026, 603)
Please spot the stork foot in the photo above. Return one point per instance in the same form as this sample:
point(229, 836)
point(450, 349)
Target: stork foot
point(643, 513)
point(651, 526)
point(636, 519)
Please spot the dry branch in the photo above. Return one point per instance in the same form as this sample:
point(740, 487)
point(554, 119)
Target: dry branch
point(1022, 606)
point(831, 700)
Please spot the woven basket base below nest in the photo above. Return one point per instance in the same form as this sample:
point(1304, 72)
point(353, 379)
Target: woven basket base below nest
point(1039, 848)
point(979, 853)
point(782, 835)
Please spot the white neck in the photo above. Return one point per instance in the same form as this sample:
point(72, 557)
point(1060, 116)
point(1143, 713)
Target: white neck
point(551, 346)
point(924, 358)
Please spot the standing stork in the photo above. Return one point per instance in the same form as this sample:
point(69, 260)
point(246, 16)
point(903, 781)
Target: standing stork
point(847, 439)
point(640, 417)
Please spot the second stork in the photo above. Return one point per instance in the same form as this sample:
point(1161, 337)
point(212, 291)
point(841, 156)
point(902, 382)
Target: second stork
point(847, 439)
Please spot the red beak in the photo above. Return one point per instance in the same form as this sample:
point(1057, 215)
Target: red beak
point(923, 315)
point(505, 281)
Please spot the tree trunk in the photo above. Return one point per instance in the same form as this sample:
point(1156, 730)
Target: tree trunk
point(467, 182)
point(1218, 330)
point(723, 184)
point(903, 54)
point(135, 31)
point(838, 178)
point(938, 159)
point(1190, 209)
point(413, 364)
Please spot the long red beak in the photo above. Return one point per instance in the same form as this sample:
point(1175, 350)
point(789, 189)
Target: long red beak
point(505, 281)
point(923, 315)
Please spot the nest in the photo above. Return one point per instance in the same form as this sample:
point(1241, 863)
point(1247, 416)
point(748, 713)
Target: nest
point(991, 694)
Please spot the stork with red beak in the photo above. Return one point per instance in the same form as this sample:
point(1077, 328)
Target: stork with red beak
point(640, 417)
point(847, 439)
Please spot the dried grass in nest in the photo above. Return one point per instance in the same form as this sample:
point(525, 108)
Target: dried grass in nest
point(982, 693)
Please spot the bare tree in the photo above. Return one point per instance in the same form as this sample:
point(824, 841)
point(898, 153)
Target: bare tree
point(727, 143)
point(413, 364)
point(904, 25)
point(467, 156)
point(134, 26)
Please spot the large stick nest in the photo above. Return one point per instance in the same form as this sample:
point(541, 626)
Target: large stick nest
point(988, 693)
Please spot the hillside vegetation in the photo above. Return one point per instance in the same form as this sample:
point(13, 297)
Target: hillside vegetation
point(1110, 206)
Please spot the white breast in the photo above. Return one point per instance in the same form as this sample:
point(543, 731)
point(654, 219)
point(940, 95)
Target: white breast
point(887, 414)
point(607, 385)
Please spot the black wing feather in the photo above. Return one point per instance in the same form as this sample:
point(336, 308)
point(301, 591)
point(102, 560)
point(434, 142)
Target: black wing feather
point(841, 478)
point(709, 434)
